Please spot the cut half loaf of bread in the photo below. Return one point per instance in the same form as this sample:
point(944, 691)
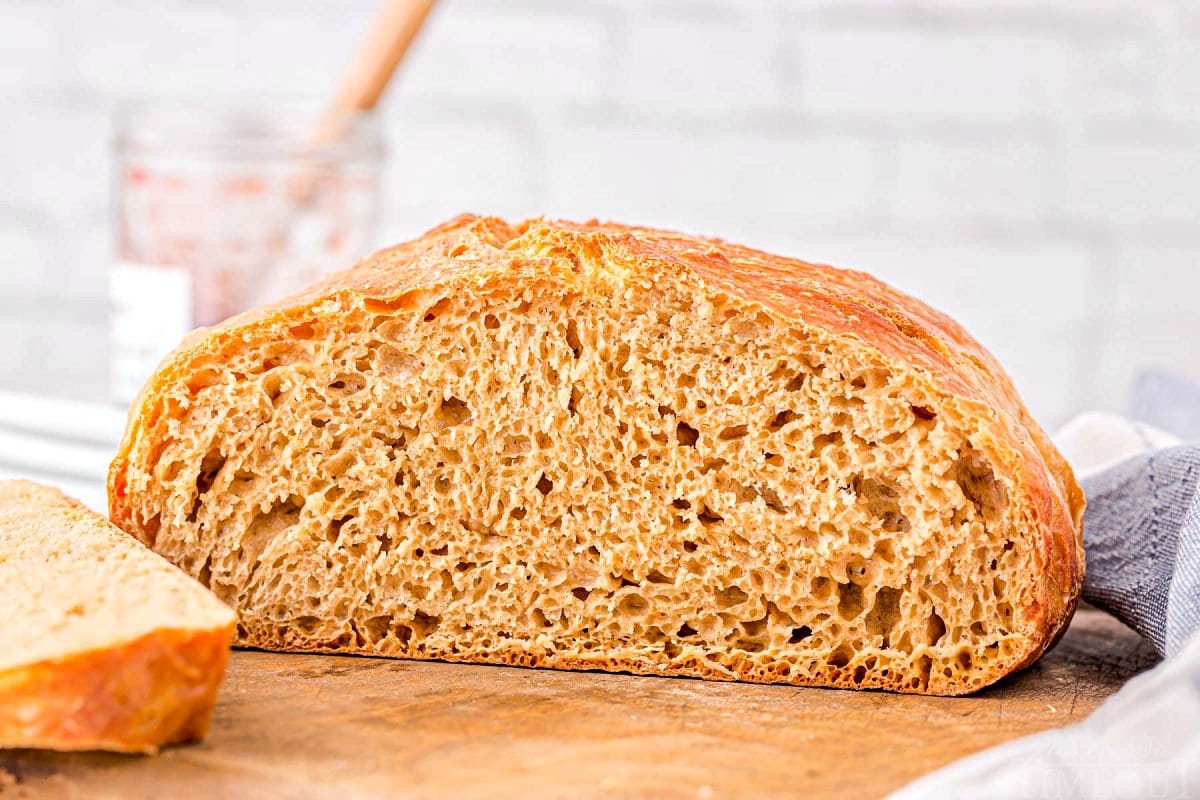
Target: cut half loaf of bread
point(590, 446)
point(106, 645)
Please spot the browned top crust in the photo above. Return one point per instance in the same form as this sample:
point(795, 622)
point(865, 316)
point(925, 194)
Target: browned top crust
point(471, 250)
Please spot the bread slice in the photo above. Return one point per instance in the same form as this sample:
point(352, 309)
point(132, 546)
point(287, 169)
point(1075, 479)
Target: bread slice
point(106, 645)
point(590, 446)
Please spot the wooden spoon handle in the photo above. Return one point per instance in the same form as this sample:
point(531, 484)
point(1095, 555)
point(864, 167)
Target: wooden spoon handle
point(387, 42)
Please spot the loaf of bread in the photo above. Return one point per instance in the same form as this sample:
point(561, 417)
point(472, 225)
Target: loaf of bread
point(106, 645)
point(590, 446)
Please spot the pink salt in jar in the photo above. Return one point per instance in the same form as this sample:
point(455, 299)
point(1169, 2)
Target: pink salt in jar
point(223, 209)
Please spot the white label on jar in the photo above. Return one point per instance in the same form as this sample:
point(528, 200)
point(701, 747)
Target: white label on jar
point(151, 311)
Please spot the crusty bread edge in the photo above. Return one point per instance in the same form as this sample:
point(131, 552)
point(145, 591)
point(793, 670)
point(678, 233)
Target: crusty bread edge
point(137, 697)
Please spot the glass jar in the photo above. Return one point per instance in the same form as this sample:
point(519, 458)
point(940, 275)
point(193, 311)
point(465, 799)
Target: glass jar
point(222, 209)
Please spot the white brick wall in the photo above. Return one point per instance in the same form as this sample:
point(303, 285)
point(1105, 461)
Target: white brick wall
point(136, 47)
point(939, 184)
point(965, 73)
point(29, 60)
point(1032, 167)
point(444, 164)
point(676, 63)
point(1134, 179)
point(705, 177)
point(524, 57)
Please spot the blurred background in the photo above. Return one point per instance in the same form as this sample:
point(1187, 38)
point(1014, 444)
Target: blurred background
point(1031, 168)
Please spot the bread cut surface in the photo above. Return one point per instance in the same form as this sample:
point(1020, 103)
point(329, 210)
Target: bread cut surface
point(106, 645)
point(599, 447)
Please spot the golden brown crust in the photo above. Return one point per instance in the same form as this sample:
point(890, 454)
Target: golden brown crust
point(472, 252)
point(134, 698)
point(109, 647)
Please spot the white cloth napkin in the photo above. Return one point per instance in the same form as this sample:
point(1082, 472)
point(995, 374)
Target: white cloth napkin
point(63, 443)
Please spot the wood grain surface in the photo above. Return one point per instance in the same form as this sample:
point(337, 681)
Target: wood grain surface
point(294, 726)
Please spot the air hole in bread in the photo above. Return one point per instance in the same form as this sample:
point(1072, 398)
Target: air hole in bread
point(386, 542)
point(633, 605)
point(436, 310)
point(305, 330)
point(978, 483)
point(348, 384)
point(733, 432)
point(203, 379)
point(378, 628)
point(204, 574)
point(935, 628)
point(403, 634)
point(385, 307)
point(686, 435)
point(731, 596)
point(781, 419)
point(850, 600)
point(451, 412)
point(754, 628)
point(772, 500)
point(335, 528)
point(882, 500)
point(924, 670)
point(424, 624)
point(210, 466)
point(282, 355)
point(824, 440)
point(841, 656)
point(885, 613)
point(573, 341)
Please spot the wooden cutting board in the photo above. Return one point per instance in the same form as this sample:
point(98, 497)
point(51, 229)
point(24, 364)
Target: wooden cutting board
point(292, 726)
